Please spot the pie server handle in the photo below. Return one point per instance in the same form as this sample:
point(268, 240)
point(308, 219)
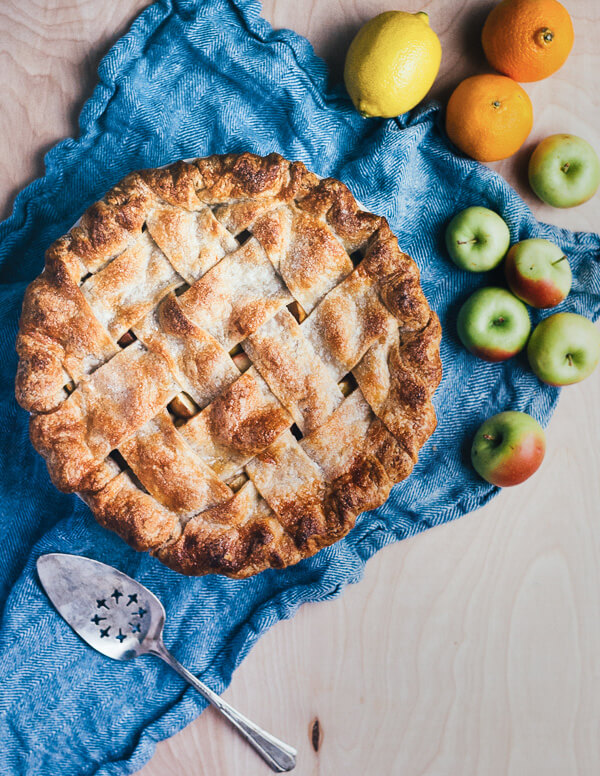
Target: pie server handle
point(279, 756)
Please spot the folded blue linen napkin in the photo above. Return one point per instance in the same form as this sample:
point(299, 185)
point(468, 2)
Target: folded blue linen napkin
point(191, 78)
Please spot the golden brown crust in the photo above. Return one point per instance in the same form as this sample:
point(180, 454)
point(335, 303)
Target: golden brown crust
point(200, 365)
point(333, 201)
point(107, 227)
point(307, 255)
point(244, 419)
point(238, 538)
point(59, 335)
point(103, 411)
point(140, 520)
point(157, 267)
point(170, 471)
point(293, 371)
point(398, 380)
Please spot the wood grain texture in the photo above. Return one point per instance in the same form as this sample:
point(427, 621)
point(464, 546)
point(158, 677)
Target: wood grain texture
point(473, 649)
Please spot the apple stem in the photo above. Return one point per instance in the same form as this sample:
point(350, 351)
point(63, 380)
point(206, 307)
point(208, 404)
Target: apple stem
point(489, 437)
point(570, 359)
point(565, 167)
point(467, 242)
point(499, 321)
point(558, 261)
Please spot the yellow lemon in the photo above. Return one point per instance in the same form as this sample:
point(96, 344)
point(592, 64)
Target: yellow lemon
point(392, 63)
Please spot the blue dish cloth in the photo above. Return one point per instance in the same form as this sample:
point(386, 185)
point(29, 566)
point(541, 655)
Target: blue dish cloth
point(193, 78)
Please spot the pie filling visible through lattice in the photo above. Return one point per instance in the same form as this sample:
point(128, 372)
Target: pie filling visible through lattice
point(228, 360)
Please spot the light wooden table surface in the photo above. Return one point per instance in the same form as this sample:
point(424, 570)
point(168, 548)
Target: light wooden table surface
point(474, 648)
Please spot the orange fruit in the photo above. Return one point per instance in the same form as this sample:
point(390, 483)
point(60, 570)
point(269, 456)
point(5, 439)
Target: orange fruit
point(489, 117)
point(527, 39)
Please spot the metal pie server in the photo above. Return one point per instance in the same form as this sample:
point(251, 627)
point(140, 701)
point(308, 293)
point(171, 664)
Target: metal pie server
point(122, 619)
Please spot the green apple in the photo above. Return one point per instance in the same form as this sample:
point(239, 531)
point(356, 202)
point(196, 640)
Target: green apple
point(564, 348)
point(564, 170)
point(493, 324)
point(508, 448)
point(538, 272)
point(477, 239)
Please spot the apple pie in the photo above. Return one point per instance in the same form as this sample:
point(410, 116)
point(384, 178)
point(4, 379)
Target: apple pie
point(228, 360)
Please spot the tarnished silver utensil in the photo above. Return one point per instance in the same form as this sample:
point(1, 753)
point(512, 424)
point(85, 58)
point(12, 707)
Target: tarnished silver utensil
point(122, 619)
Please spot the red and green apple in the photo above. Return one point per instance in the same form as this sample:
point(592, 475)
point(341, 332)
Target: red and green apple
point(508, 448)
point(538, 272)
point(493, 324)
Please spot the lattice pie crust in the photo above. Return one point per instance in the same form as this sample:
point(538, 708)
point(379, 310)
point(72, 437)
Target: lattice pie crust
point(228, 360)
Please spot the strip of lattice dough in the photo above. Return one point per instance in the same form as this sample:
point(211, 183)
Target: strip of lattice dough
point(295, 374)
point(304, 251)
point(293, 486)
point(169, 469)
point(239, 423)
point(347, 322)
point(124, 291)
point(335, 445)
point(236, 296)
point(105, 409)
point(351, 434)
point(198, 362)
point(192, 241)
